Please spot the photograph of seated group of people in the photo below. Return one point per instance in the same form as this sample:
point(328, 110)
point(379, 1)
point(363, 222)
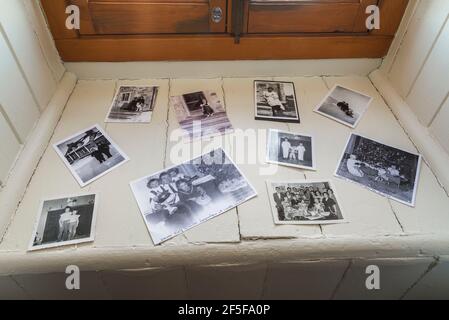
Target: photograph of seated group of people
point(306, 202)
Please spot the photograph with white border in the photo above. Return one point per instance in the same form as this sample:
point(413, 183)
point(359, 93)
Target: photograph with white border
point(65, 221)
point(381, 168)
point(275, 101)
point(304, 202)
point(181, 197)
point(133, 104)
point(201, 114)
point(344, 105)
point(290, 149)
point(90, 154)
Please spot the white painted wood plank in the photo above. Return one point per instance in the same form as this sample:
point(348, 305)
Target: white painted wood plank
point(421, 35)
point(440, 126)
point(52, 286)
point(256, 220)
point(18, 104)
point(223, 228)
point(24, 42)
point(9, 149)
point(432, 88)
point(45, 38)
point(155, 284)
point(434, 285)
point(9, 290)
point(308, 280)
point(396, 276)
point(88, 105)
point(237, 282)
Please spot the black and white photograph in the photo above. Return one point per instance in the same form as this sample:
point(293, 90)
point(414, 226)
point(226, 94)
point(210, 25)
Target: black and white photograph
point(133, 104)
point(290, 149)
point(387, 170)
point(304, 202)
point(201, 114)
point(276, 101)
point(181, 197)
point(90, 154)
point(344, 105)
point(65, 221)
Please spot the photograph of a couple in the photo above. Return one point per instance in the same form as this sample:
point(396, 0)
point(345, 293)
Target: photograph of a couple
point(90, 154)
point(290, 149)
point(201, 114)
point(179, 198)
point(389, 171)
point(64, 221)
point(311, 202)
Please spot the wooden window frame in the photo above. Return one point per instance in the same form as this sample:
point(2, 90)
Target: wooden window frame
point(233, 45)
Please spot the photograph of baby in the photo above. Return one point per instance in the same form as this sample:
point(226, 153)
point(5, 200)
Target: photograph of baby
point(387, 170)
point(306, 202)
point(290, 149)
point(133, 104)
point(201, 114)
point(90, 154)
point(65, 221)
point(179, 198)
point(344, 105)
point(276, 101)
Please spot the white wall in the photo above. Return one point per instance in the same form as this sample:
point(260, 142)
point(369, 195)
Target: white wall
point(418, 66)
point(30, 70)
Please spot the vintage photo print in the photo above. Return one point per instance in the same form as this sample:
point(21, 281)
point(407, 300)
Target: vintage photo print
point(201, 114)
point(290, 149)
point(65, 221)
point(304, 202)
point(276, 101)
point(344, 105)
point(179, 198)
point(133, 104)
point(386, 170)
point(90, 154)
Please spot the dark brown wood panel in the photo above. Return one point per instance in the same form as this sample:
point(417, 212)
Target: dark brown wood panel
point(391, 13)
point(302, 16)
point(149, 17)
point(56, 17)
point(196, 48)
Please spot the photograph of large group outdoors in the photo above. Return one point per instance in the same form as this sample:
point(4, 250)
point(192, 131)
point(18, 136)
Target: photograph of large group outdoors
point(276, 101)
point(201, 114)
point(133, 104)
point(64, 221)
point(344, 105)
point(290, 149)
point(384, 169)
point(311, 202)
point(179, 198)
point(90, 154)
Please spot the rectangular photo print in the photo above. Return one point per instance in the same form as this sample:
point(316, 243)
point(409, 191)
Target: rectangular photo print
point(344, 105)
point(65, 221)
point(389, 171)
point(133, 104)
point(304, 202)
point(276, 101)
point(201, 114)
point(184, 196)
point(90, 154)
point(290, 149)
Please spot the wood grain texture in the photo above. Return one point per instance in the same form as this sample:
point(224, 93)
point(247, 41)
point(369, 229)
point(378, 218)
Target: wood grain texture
point(197, 48)
point(56, 17)
point(391, 13)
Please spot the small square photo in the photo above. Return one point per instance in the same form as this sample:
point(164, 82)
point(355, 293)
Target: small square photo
point(290, 149)
point(304, 202)
point(65, 221)
point(133, 104)
point(276, 101)
point(344, 105)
